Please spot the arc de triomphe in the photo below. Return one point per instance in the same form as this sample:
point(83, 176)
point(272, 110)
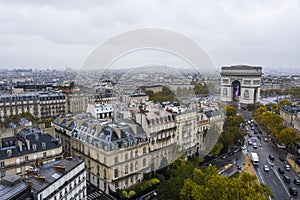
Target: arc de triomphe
point(241, 83)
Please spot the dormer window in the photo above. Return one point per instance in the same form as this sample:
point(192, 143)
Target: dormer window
point(34, 146)
point(44, 144)
point(9, 153)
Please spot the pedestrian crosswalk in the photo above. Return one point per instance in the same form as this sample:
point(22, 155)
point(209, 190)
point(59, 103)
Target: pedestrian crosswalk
point(95, 195)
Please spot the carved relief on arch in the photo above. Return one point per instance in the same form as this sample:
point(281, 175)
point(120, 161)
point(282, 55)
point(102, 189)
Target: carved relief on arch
point(246, 94)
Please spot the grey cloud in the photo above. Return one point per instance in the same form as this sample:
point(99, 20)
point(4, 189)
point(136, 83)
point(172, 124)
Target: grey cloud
point(56, 33)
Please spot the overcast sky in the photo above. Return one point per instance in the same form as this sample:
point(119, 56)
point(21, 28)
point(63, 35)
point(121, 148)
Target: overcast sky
point(42, 34)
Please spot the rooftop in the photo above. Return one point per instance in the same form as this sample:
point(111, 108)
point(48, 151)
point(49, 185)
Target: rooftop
point(11, 186)
point(17, 146)
point(50, 173)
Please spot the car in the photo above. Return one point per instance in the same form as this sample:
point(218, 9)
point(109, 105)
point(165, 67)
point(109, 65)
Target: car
point(297, 160)
point(258, 136)
point(237, 150)
point(281, 159)
point(244, 147)
point(254, 145)
point(247, 129)
point(271, 157)
point(293, 191)
point(266, 168)
point(224, 156)
point(252, 127)
point(297, 181)
point(286, 179)
point(281, 146)
point(266, 139)
point(250, 142)
point(281, 171)
point(230, 153)
point(287, 167)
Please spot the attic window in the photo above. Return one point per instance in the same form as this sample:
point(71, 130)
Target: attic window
point(44, 144)
point(34, 146)
point(9, 152)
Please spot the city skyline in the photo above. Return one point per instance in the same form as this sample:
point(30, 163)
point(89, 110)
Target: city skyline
point(58, 35)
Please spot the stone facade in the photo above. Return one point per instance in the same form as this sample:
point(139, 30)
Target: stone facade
point(241, 83)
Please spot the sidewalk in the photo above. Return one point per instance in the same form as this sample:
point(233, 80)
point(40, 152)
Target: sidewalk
point(247, 166)
point(294, 165)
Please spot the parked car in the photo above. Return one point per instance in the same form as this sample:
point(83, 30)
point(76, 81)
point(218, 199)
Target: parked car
point(244, 147)
point(237, 150)
point(286, 179)
point(271, 157)
point(281, 146)
point(266, 139)
point(224, 156)
point(293, 191)
point(297, 160)
point(287, 167)
point(297, 181)
point(281, 159)
point(281, 171)
point(266, 168)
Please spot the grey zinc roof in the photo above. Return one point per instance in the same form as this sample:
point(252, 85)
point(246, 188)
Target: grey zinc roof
point(8, 192)
point(34, 135)
point(51, 174)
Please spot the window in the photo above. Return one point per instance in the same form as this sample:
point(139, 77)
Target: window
point(2, 164)
point(144, 162)
point(136, 165)
point(17, 161)
point(136, 153)
point(44, 144)
point(131, 167)
point(44, 154)
point(116, 159)
point(126, 157)
point(126, 169)
point(34, 156)
point(34, 146)
point(18, 170)
point(116, 173)
point(26, 158)
point(2, 173)
point(144, 150)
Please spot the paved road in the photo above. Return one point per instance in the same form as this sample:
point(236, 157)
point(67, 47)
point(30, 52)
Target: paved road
point(272, 178)
point(94, 193)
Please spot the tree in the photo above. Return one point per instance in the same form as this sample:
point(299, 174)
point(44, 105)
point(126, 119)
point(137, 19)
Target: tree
point(217, 148)
point(284, 103)
point(209, 185)
point(286, 136)
point(230, 111)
